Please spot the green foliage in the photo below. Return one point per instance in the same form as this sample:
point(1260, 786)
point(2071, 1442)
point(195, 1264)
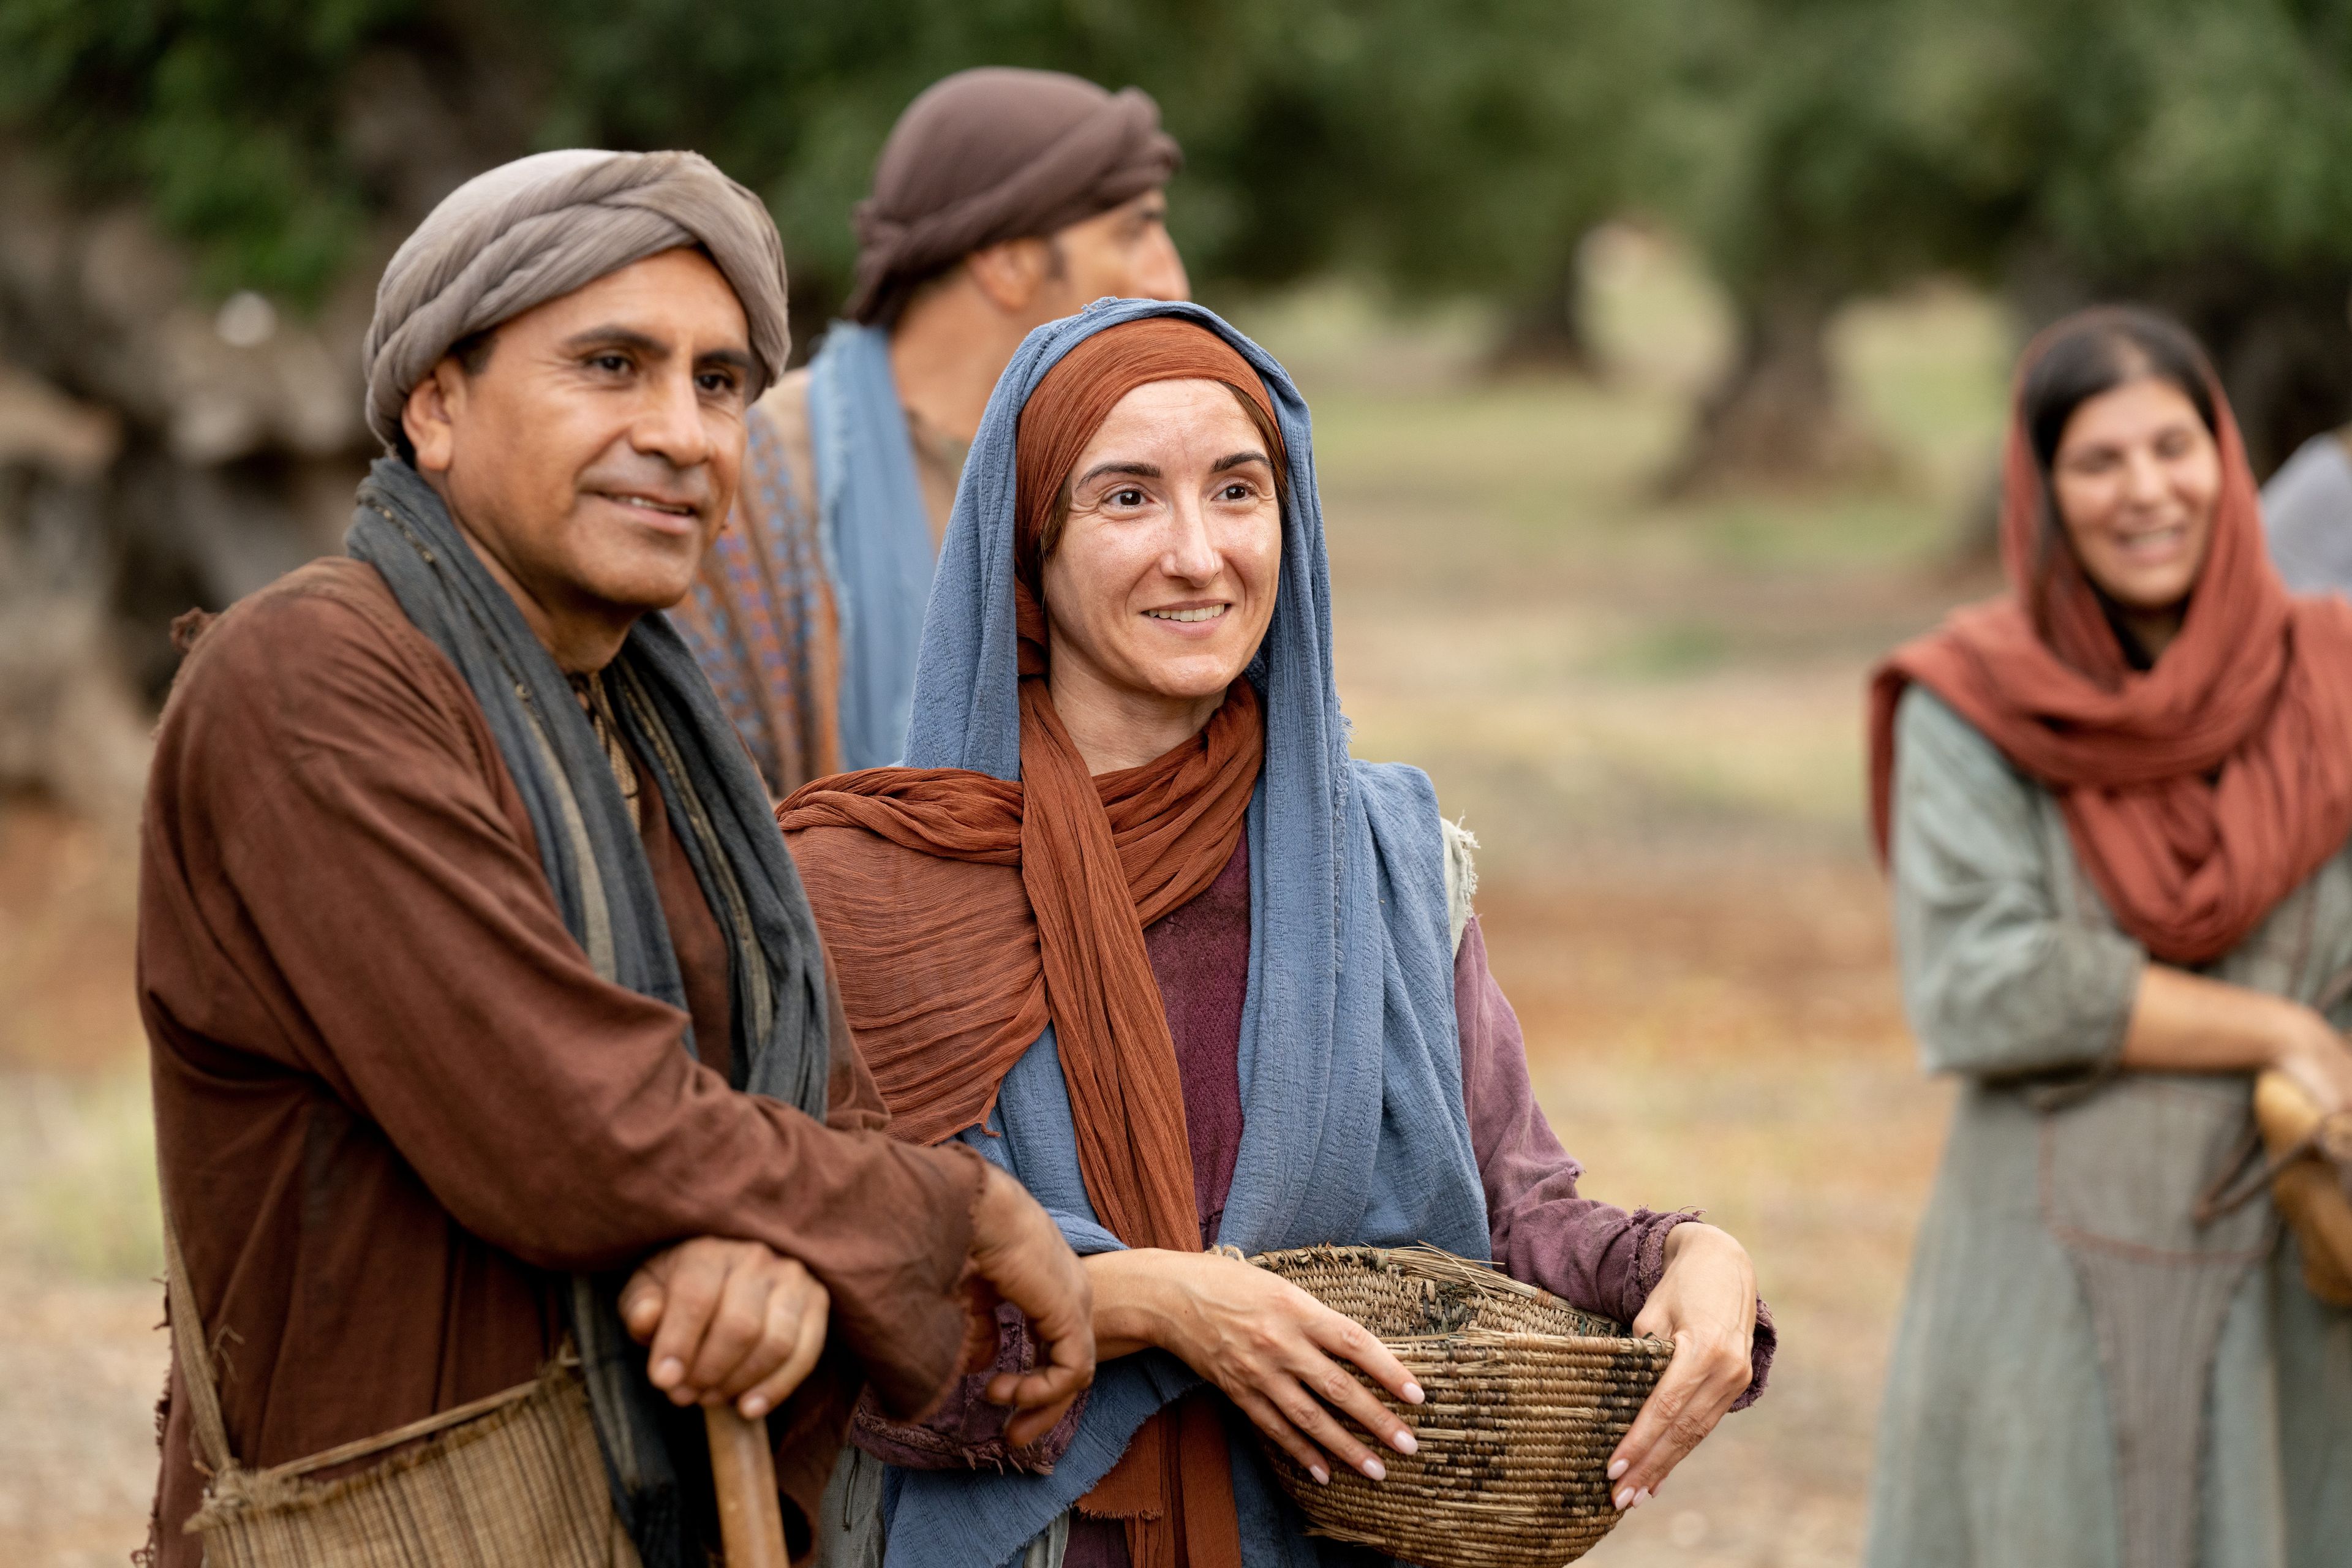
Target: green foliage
point(1835, 147)
point(1438, 148)
point(223, 113)
point(1865, 142)
point(2188, 154)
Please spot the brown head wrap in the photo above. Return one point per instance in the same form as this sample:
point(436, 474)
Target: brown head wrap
point(1078, 393)
point(966, 912)
point(994, 154)
point(536, 229)
point(2198, 793)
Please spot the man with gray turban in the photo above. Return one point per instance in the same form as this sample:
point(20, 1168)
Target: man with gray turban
point(488, 1021)
point(1002, 199)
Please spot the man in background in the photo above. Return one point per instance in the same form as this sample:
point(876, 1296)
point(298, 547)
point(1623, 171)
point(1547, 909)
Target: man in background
point(1002, 199)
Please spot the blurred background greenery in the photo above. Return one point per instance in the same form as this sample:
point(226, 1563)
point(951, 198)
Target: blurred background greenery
point(200, 194)
point(1658, 356)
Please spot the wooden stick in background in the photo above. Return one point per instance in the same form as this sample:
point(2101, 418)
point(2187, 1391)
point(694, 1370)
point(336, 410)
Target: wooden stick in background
point(750, 1518)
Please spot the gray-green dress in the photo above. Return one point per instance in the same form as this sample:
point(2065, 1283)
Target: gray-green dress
point(2084, 1377)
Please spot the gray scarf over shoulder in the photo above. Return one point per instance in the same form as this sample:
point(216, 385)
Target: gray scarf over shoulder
point(595, 862)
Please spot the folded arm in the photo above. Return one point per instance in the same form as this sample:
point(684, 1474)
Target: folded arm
point(367, 838)
point(1665, 1273)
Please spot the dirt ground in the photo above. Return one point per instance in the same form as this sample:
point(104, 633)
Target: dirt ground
point(1648, 714)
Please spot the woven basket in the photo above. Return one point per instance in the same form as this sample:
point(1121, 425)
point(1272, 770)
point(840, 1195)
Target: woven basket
point(1526, 1398)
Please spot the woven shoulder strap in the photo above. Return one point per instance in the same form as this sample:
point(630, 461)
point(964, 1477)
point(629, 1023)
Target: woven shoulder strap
point(196, 1355)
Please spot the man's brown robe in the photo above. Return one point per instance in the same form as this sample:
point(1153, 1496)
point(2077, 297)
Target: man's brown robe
point(396, 1106)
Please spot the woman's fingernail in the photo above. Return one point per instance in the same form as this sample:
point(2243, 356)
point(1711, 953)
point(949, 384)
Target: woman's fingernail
point(1624, 1499)
point(754, 1408)
point(668, 1370)
point(1375, 1469)
point(1640, 1498)
point(1412, 1393)
point(1322, 1476)
point(1406, 1443)
point(1616, 1468)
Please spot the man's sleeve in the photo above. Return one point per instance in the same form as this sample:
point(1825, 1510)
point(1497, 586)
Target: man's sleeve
point(554, 1114)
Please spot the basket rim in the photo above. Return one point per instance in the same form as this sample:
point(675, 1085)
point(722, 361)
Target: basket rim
point(1434, 1262)
point(1507, 1339)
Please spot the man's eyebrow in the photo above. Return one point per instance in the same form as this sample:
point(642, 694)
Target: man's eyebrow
point(1140, 470)
point(615, 336)
point(619, 337)
point(1240, 459)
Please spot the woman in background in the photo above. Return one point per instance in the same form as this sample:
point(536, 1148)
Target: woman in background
point(2115, 803)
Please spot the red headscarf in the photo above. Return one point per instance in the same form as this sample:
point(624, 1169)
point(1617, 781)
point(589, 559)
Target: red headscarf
point(2198, 793)
point(964, 911)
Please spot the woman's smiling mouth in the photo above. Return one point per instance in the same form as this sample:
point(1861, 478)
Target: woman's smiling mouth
point(2160, 543)
point(1188, 614)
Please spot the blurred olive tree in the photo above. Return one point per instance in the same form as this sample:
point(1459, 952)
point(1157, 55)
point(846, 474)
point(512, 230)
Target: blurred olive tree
point(2184, 152)
point(1439, 148)
point(2188, 152)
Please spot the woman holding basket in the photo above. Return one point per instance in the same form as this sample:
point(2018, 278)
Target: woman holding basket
point(1134, 924)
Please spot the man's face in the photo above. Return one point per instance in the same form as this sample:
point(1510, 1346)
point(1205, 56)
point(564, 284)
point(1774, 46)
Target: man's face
point(1124, 252)
point(594, 456)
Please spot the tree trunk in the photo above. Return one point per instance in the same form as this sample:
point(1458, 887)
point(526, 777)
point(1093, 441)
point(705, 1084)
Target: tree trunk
point(1776, 420)
point(1544, 330)
point(162, 451)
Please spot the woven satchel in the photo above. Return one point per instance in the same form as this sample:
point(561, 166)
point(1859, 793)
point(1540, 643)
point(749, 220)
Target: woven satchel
point(515, 1478)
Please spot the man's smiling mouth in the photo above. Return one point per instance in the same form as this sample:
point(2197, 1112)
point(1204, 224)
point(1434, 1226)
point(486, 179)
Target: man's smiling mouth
point(647, 503)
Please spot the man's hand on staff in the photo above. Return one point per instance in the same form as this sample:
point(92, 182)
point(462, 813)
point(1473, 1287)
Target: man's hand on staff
point(1706, 1304)
point(726, 1321)
point(1018, 1255)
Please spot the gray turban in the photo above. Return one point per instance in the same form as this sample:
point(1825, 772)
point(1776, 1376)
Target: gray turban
point(536, 229)
point(998, 154)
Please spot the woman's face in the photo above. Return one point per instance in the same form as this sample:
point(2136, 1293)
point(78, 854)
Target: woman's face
point(2136, 477)
point(1164, 578)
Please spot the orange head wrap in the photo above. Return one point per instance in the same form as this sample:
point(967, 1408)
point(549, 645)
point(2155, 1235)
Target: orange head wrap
point(1078, 393)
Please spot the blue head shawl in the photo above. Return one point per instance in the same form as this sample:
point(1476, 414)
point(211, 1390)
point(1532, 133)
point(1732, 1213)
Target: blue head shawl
point(877, 533)
point(1350, 1064)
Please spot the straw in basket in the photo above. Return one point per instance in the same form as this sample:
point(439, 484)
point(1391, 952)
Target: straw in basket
point(1526, 1397)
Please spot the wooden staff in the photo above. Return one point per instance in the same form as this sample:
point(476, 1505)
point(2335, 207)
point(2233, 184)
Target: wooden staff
point(750, 1518)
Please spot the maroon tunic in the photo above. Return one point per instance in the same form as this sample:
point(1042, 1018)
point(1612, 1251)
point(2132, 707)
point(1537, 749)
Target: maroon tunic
point(1592, 1255)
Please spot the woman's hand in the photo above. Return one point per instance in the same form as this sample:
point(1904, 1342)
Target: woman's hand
point(1274, 1350)
point(2312, 1054)
point(1706, 1304)
point(2191, 1023)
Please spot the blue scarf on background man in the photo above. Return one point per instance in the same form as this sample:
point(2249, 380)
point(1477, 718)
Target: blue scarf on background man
point(877, 535)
